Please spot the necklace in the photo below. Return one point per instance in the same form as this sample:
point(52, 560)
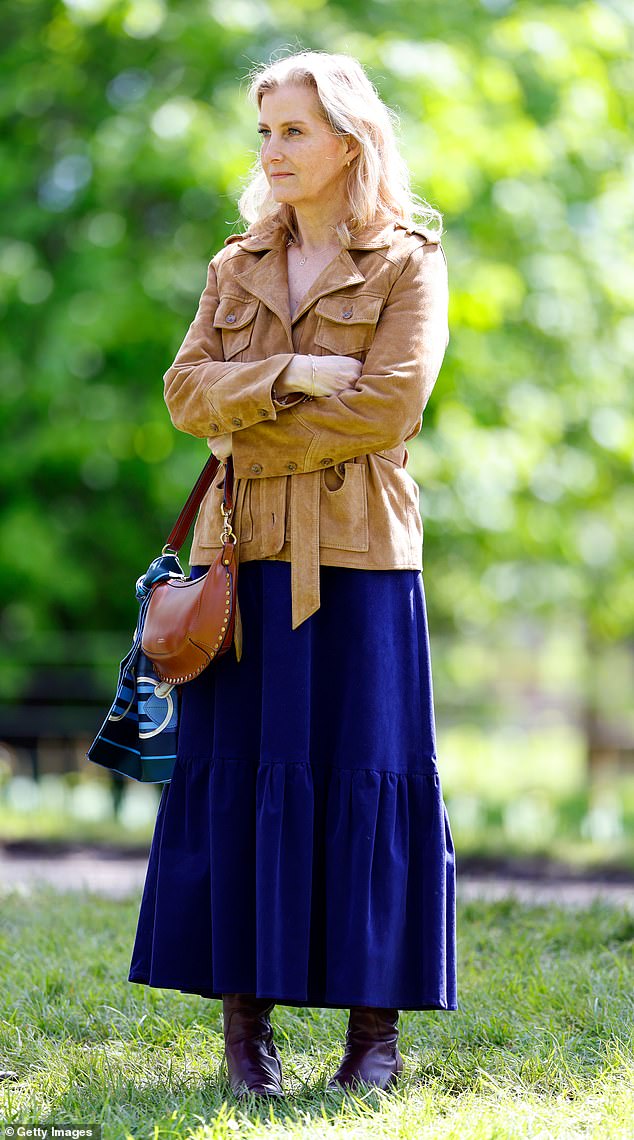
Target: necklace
point(302, 260)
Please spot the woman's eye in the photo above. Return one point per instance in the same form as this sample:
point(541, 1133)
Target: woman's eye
point(291, 130)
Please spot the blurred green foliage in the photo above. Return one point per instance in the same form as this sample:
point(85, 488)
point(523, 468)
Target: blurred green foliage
point(126, 137)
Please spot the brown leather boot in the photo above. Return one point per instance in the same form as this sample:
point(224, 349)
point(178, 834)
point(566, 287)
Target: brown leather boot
point(371, 1054)
point(253, 1061)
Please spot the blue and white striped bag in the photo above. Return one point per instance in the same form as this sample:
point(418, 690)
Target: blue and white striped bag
point(139, 736)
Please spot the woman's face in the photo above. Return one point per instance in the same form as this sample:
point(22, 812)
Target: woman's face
point(303, 159)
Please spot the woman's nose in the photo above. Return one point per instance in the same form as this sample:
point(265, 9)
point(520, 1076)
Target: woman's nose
point(274, 150)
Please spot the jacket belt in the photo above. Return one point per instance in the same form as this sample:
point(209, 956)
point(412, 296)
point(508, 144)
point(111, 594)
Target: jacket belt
point(305, 489)
point(304, 539)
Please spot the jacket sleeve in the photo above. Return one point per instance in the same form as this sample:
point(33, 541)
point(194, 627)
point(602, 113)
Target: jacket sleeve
point(207, 395)
point(397, 379)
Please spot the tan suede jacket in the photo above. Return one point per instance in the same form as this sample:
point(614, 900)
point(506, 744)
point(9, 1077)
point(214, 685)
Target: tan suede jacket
point(319, 480)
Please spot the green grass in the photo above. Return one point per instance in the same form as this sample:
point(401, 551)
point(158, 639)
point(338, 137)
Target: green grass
point(541, 1047)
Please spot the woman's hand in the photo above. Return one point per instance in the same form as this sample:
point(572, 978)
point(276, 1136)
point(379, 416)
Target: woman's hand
point(221, 445)
point(332, 375)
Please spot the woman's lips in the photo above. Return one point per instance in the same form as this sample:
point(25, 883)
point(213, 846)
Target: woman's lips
point(281, 176)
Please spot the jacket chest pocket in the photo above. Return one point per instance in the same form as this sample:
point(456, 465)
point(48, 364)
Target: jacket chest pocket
point(235, 317)
point(347, 324)
point(343, 509)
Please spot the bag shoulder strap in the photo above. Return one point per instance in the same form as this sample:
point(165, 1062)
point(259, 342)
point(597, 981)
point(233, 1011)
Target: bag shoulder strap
point(182, 526)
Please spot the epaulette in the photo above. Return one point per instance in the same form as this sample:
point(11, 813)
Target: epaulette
point(430, 235)
point(234, 237)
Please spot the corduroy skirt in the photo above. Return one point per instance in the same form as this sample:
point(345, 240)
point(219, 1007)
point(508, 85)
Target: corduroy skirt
point(302, 850)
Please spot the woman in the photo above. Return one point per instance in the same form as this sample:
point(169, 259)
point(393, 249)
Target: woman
point(302, 852)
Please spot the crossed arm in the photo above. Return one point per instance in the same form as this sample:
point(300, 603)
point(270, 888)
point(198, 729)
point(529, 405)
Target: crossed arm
point(379, 412)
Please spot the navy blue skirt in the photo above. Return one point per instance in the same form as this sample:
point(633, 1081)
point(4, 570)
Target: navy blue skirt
point(302, 851)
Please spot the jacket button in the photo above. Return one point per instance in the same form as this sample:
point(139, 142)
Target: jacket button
point(327, 461)
point(214, 427)
point(231, 318)
point(263, 411)
point(347, 313)
point(237, 421)
point(292, 466)
point(257, 467)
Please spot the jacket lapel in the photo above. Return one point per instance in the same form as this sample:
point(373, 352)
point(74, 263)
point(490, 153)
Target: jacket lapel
point(267, 277)
point(268, 280)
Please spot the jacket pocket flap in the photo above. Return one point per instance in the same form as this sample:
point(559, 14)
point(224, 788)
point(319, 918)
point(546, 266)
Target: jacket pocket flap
point(233, 313)
point(350, 310)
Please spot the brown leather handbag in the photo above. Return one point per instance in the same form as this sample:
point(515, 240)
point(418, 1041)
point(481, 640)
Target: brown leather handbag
point(190, 621)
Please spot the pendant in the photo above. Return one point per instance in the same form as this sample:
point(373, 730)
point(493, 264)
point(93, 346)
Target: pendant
point(302, 261)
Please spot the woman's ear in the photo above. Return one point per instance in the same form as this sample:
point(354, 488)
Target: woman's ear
point(353, 148)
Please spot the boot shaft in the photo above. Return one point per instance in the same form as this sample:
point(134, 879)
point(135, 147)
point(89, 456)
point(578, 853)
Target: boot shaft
point(246, 1017)
point(367, 1024)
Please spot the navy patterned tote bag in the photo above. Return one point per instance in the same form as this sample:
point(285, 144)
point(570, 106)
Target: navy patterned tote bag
point(139, 735)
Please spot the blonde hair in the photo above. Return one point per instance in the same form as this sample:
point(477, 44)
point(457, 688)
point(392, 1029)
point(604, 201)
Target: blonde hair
point(378, 187)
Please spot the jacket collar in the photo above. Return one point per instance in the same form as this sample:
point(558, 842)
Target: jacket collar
point(373, 236)
point(267, 277)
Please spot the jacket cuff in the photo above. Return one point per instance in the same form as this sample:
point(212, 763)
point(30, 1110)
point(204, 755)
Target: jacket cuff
point(260, 453)
point(234, 405)
point(289, 401)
